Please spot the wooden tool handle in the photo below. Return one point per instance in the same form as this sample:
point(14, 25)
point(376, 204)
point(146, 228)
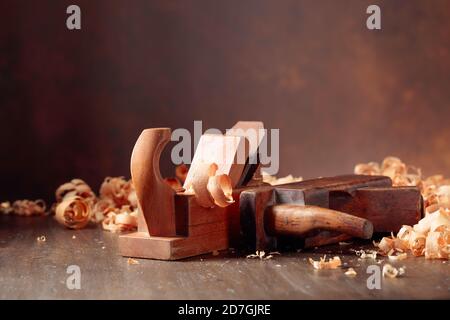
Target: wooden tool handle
point(155, 196)
point(297, 220)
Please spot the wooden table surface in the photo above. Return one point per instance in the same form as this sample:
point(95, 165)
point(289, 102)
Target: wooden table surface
point(37, 270)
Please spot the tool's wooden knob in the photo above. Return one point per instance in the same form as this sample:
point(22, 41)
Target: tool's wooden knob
point(155, 196)
point(297, 220)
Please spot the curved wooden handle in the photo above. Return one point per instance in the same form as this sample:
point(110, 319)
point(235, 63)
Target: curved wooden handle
point(155, 196)
point(297, 220)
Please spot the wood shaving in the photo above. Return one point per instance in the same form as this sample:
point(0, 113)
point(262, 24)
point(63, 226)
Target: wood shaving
point(41, 239)
point(6, 208)
point(73, 212)
point(132, 261)
point(422, 238)
point(118, 190)
point(429, 237)
point(116, 201)
point(371, 254)
point(29, 207)
point(121, 220)
point(75, 187)
point(392, 272)
point(210, 189)
point(350, 272)
point(332, 263)
point(219, 186)
point(272, 180)
point(397, 257)
point(260, 254)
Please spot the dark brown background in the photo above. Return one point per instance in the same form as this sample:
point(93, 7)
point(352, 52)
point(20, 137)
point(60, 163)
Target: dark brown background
point(73, 102)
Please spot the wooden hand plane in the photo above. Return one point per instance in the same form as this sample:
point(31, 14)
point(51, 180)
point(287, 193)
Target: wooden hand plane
point(173, 225)
point(342, 204)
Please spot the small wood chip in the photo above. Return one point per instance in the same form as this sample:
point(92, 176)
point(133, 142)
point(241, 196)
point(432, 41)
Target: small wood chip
point(132, 261)
point(392, 272)
point(350, 272)
point(41, 239)
point(398, 257)
point(333, 263)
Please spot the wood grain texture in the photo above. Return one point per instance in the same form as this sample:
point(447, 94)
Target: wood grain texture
point(387, 208)
point(299, 220)
point(32, 270)
point(155, 196)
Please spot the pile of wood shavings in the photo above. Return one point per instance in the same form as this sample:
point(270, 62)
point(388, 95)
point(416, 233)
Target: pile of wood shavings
point(431, 236)
point(116, 206)
point(24, 208)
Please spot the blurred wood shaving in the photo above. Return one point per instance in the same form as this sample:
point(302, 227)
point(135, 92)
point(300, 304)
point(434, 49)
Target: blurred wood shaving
point(272, 180)
point(6, 207)
point(430, 236)
point(121, 220)
point(332, 263)
point(27, 208)
point(118, 191)
point(132, 261)
point(75, 187)
point(41, 239)
point(350, 272)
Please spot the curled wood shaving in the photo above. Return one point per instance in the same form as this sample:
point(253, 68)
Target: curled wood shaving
point(422, 238)
point(429, 237)
point(199, 184)
point(75, 187)
point(119, 221)
point(221, 190)
point(73, 212)
point(438, 243)
point(332, 263)
point(29, 207)
point(272, 180)
point(392, 272)
point(41, 239)
point(116, 201)
point(210, 189)
point(117, 190)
